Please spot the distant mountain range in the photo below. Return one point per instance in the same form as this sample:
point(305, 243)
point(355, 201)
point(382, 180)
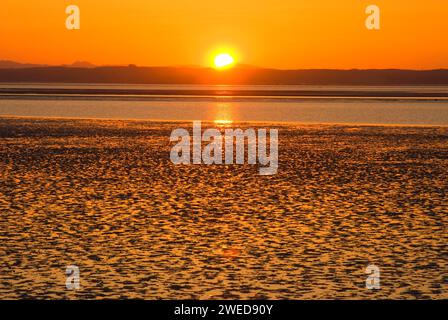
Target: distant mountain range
point(85, 72)
point(8, 64)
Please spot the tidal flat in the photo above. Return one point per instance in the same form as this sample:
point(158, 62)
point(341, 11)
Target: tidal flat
point(103, 195)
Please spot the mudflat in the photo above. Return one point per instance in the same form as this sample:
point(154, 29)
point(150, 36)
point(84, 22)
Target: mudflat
point(103, 195)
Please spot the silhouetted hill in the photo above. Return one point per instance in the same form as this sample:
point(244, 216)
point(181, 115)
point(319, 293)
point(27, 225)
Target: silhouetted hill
point(80, 64)
point(8, 64)
point(238, 75)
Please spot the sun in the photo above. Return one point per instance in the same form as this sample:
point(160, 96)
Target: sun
point(224, 61)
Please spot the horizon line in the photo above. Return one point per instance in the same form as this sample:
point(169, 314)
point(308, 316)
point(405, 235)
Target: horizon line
point(81, 64)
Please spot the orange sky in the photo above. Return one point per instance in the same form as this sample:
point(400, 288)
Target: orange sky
point(268, 33)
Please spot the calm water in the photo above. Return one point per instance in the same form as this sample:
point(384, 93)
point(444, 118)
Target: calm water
point(259, 107)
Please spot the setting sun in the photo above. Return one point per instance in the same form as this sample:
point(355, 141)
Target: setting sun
point(224, 60)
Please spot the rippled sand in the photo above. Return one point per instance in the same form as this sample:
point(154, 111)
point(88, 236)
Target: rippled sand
point(103, 195)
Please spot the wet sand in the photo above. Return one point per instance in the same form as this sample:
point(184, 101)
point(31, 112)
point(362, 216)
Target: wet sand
point(103, 195)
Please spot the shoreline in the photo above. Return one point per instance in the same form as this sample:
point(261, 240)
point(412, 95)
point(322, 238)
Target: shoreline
point(281, 93)
point(216, 98)
point(215, 122)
